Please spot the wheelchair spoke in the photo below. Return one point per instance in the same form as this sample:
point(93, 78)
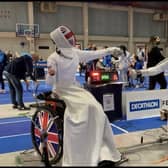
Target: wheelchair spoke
point(51, 121)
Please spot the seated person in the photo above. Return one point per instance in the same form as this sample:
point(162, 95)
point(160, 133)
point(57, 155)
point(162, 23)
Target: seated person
point(88, 137)
point(101, 66)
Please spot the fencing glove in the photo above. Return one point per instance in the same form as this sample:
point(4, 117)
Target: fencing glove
point(115, 51)
point(134, 73)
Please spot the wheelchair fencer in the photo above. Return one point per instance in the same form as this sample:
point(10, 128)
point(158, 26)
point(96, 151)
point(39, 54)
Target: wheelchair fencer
point(84, 115)
point(47, 128)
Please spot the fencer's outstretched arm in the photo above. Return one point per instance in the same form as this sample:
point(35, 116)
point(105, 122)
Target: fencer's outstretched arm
point(87, 55)
point(160, 67)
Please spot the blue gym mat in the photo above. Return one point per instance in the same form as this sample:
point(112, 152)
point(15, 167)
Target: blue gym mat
point(15, 132)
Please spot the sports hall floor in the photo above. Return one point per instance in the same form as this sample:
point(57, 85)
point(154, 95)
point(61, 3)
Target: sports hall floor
point(143, 141)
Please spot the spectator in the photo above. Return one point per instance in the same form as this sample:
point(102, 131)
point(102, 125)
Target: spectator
point(3, 63)
point(39, 71)
point(100, 65)
point(141, 54)
point(90, 65)
point(154, 57)
point(107, 60)
point(9, 56)
point(124, 61)
point(94, 62)
point(82, 65)
point(138, 66)
point(20, 68)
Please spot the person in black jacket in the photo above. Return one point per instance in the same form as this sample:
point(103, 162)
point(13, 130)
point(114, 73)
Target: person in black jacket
point(18, 69)
point(154, 57)
point(3, 63)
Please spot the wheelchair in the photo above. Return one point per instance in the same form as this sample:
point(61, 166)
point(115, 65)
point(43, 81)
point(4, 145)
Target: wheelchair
point(47, 128)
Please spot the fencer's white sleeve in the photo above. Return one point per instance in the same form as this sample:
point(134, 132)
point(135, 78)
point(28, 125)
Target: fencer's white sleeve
point(160, 67)
point(50, 80)
point(51, 62)
point(88, 55)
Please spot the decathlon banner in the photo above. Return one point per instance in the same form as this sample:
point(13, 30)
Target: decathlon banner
point(143, 104)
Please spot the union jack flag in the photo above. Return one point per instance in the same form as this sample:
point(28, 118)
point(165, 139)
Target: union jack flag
point(68, 34)
point(44, 122)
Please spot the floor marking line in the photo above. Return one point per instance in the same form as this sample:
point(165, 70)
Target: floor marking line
point(11, 136)
point(119, 128)
point(9, 122)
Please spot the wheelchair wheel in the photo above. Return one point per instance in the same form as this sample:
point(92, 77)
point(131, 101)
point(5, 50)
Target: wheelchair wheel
point(44, 119)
